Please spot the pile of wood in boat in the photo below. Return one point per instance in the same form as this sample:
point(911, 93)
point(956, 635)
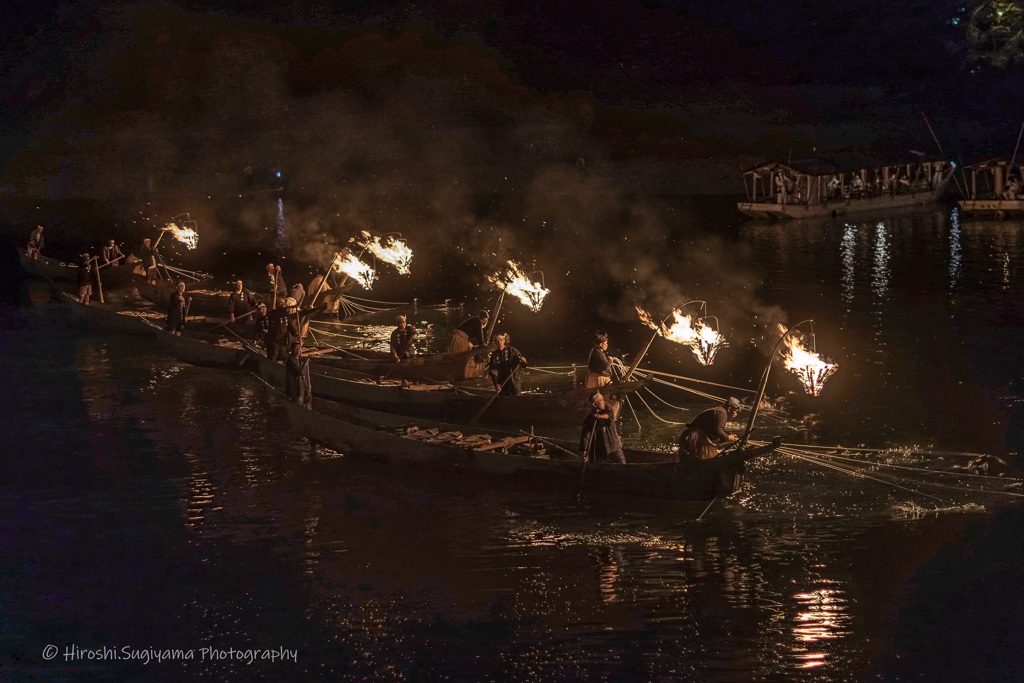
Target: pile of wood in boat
point(516, 445)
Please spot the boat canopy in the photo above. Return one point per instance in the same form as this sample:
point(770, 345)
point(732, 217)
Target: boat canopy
point(996, 178)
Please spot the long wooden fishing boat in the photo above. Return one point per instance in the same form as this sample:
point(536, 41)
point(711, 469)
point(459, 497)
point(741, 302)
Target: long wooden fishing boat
point(996, 189)
point(428, 367)
point(112, 277)
point(515, 459)
point(822, 187)
point(206, 302)
point(445, 402)
point(114, 318)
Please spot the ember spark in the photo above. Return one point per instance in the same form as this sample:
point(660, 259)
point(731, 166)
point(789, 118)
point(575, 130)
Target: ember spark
point(704, 341)
point(515, 282)
point(355, 269)
point(393, 251)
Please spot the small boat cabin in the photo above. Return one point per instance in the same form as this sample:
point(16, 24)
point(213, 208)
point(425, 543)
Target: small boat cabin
point(994, 187)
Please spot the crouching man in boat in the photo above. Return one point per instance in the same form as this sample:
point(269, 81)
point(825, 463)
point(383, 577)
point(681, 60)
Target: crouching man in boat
point(468, 334)
point(297, 386)
point(700, 436)
point(504, 367)
point(402, 338)
point(177, 310)
point(599, 440)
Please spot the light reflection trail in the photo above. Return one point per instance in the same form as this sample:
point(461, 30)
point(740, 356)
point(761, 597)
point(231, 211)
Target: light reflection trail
point(880, 269)
point(955, 253)
point(848, 252)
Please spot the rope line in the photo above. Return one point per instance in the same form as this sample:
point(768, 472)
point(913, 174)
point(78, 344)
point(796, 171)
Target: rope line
point(655, 414)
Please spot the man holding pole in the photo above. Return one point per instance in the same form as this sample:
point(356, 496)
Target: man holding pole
point(147, 254)
point(177, 310)
point(241, 302)
point(504, 366)
point(277, 289)
point(111, 253)
point(599, 440)
point(84, 279)
point(402, 338)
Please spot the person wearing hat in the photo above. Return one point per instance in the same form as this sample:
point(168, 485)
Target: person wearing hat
point(84, 279)
point(241, 302)
point(283, 331)
point(599, 367)
point(277, 289)
point(111, 252)
point(297, 386)
point(402, 338)
point(707, 429)
point(177, 310)
point(599, 439)
point(261, 325)
point(468, 334)
point(504, 365)
point(35, 243)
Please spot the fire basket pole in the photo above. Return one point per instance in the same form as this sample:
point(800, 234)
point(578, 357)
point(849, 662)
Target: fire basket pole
point(640, 356)
point(494, 317)
point(764, 379)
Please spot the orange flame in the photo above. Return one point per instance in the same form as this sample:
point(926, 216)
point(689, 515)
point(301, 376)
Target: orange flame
point(393, 251)
point(187, 236)
point(515, 282)
point(810, 368)
point(704, 340)
point(355, 269)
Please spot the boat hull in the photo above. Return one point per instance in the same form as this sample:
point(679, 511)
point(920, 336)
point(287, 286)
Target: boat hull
point(994, 207)
point(110, 318)
point(347, 431)
point(432, 367)
point(772, 210)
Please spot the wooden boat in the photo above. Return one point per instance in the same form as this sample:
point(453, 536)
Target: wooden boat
point(444, 402)
point(994, 195)
point(206, 302)
point(822, 187)
point(429, 367)
point(113, 318)
point(466, 451)
point(112, 277)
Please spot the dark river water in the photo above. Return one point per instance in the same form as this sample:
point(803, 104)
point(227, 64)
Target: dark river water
point(162, 510)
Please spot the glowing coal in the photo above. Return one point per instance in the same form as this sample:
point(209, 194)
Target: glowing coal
point(704, 341)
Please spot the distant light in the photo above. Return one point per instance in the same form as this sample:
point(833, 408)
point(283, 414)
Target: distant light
point(278, 174)
point(954, 164)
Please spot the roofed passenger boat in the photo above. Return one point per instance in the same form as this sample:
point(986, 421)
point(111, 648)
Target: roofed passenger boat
point(510, 459)
point(995, 188)
point(804, 188)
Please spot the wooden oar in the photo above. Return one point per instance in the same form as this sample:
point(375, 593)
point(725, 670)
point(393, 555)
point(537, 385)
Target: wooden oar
point(388, 374)
point(497, 392)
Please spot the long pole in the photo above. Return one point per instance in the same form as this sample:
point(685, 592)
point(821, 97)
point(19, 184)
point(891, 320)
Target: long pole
point(924, 117)
point(1017, 147)
point(494, 318)
point(764, 380)
point(323, 280)
point(99, 282)
point(657, 331)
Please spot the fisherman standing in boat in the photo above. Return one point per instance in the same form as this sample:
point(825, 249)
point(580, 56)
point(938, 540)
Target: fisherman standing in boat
point(468, 334)
point(599, 367)
point(177, 310)
point(261, 326)
point(35, 243)
point(84, 279)
point(148, 257)
point(700, 436)
point(241, 302)
point(402, 338)
point(504, 366)
point(282, 333)
point(276, 288)
point(111, 253)
point(599, 440)
point(297, 386)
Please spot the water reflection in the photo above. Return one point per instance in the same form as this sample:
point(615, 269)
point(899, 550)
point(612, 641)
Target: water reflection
point(848, 253)
point(955, 257)
point(880, 269)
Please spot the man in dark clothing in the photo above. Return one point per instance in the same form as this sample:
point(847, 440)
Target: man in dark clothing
point(504, 367)
point(261, 326)
point(283, 331)
point(402, 338)
point(241, 302)
point(111, 252)
point(35, 243)
point(599, 440)
point(700, 436)
point(297, 386)
point(177, 310)
point(84, 279)
point(148, 257)
point(277, 290)
point(468, 334)
point(599, 367)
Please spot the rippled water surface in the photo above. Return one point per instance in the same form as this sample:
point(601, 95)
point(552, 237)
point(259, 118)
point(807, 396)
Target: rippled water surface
point(152, 504)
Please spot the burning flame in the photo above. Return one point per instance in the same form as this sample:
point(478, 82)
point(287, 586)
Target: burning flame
point(810, 368)
point(704, 340)
point(355, 269)
point(395, 252)
point(515, 282)
point(187, 236)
